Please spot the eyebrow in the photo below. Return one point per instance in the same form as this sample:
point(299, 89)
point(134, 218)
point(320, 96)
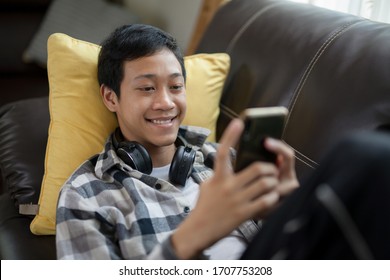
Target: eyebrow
point(151, 76)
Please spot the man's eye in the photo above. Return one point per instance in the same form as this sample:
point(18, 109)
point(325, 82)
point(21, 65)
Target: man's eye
point(177, 87)
point(147, 89)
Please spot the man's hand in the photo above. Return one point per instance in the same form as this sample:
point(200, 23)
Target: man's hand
point(285, 162)
point(228, 199)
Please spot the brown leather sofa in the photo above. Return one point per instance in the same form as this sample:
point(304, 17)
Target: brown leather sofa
point(23, 129)
point(331, 70)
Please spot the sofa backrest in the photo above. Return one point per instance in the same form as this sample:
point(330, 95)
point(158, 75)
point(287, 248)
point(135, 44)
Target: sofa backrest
point(330, 69)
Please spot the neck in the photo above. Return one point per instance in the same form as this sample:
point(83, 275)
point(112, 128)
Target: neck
point(161, 156)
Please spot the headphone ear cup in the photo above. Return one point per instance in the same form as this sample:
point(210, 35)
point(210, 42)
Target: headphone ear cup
point(135, 155)
point(181, 165)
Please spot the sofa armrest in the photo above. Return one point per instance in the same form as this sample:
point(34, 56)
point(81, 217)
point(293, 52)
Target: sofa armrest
point(23, 136)
point(16, 240)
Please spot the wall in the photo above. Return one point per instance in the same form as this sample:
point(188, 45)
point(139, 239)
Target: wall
point(177, 17)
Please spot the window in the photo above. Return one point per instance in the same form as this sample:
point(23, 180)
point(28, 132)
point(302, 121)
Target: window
point(377, 10)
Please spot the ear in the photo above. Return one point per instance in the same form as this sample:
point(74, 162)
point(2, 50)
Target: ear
point(110, 99)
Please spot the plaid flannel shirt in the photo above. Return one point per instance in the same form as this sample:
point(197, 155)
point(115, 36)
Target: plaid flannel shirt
point(107, 210)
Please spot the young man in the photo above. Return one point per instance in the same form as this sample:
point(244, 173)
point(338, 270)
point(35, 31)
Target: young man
point(112, 208)
point(134, 200)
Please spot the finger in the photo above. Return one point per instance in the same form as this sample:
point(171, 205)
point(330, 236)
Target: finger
point(263, 204)
point(255, 171)
point(260, 187)
point(229, 139)
point(278, 147)
point(281, 149)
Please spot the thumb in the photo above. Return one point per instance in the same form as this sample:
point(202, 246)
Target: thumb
point(229, 139)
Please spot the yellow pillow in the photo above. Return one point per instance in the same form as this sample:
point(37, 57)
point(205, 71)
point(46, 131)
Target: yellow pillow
point(80, 123)
point(206, 74)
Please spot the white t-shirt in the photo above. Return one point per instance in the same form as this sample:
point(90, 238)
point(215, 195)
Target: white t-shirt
point(230, 247)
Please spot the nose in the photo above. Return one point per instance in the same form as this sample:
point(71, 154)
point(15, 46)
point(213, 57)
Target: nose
point(163, 100)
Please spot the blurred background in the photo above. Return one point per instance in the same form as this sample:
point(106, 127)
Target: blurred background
point(178, 17)
point(25, 26)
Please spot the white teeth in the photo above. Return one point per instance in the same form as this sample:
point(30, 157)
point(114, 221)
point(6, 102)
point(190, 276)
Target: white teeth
point(161, 121)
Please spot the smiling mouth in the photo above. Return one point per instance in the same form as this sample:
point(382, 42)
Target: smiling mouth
point(162, 121)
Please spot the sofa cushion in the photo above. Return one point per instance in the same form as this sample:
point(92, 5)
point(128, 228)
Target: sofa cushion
point(80, 123)
point(23, 136)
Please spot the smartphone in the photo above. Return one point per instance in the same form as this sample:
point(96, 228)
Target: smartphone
point(259, 123)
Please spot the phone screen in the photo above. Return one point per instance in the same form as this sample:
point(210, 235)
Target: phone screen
point(259, 124)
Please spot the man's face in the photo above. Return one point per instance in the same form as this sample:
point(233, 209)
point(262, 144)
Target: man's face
point(152, 102)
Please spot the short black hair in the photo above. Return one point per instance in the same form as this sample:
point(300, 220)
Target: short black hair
point(130, 42)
